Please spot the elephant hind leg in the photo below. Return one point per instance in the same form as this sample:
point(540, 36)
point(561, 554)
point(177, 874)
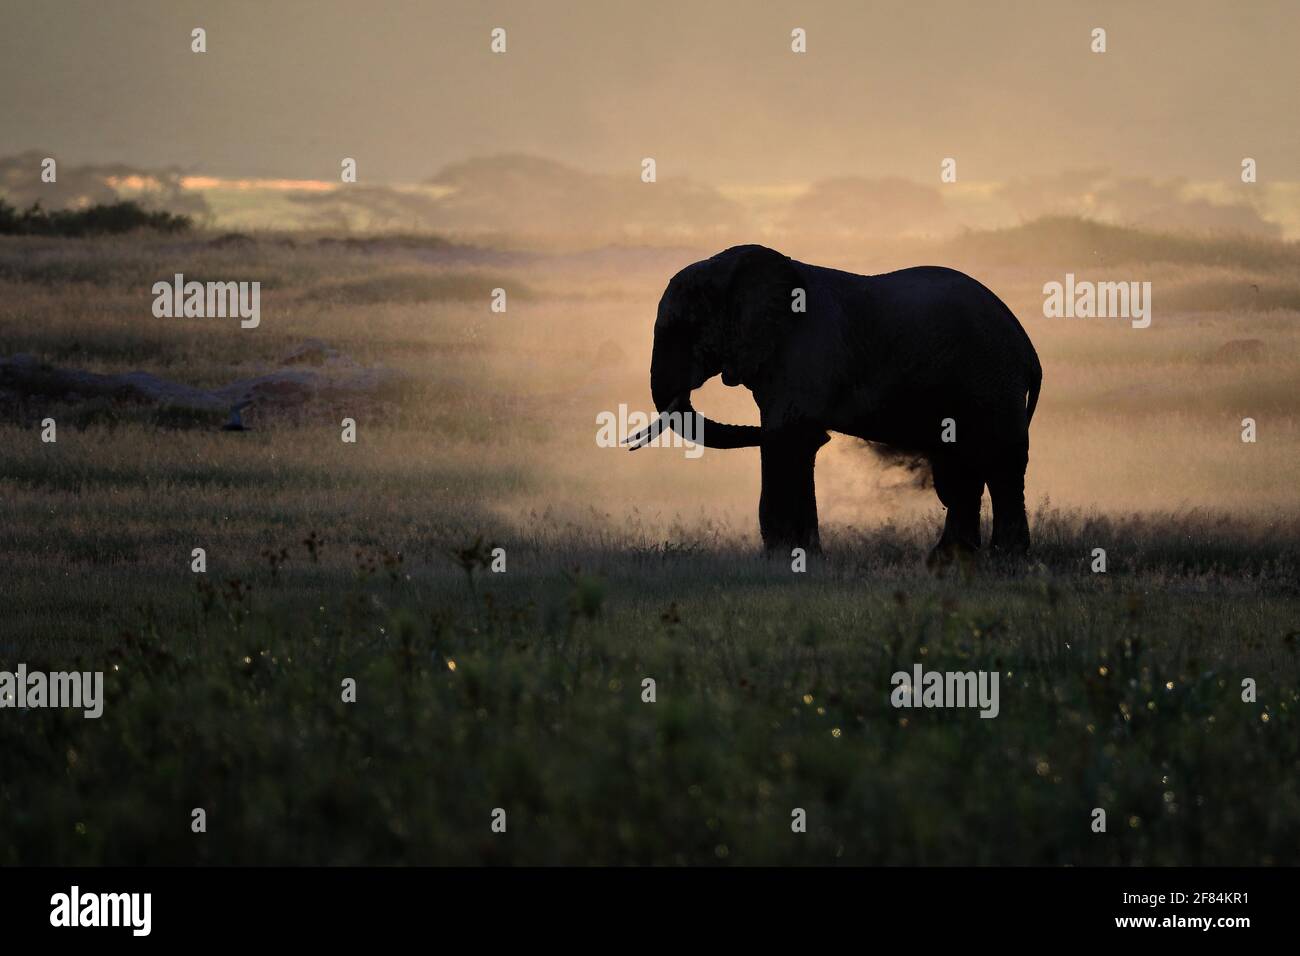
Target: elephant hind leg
point(787, 507)
point(960, 488)
point(1007, 489)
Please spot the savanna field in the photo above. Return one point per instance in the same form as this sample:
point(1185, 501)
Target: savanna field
point(522, 690)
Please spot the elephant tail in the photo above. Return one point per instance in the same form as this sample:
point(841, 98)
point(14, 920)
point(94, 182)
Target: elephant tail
point(1035, 383)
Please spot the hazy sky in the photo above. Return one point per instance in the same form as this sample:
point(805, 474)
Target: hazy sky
point(707, 87)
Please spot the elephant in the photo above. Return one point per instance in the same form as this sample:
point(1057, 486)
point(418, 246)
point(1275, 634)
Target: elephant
point(924, 361)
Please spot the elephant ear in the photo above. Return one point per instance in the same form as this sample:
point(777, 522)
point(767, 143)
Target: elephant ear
point(760, 294)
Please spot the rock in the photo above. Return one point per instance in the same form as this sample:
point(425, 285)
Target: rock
point(336, 379)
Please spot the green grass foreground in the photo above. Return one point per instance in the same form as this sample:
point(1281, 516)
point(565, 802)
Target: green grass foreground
point(523, 691)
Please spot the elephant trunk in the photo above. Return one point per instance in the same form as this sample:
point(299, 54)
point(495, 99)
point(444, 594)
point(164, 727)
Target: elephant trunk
point(672, 379)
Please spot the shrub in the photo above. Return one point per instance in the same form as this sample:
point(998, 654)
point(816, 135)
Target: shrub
point(97, 220)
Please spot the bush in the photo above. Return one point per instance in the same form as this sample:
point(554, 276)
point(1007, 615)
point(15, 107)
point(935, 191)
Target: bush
point(98, 220)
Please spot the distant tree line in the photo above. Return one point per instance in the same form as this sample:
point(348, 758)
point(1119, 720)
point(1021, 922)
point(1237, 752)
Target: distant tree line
point(97, 220)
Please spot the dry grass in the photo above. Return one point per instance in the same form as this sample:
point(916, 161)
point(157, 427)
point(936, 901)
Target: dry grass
point(621, 565)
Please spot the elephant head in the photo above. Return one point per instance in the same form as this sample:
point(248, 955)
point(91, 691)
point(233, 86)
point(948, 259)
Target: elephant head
point(726, 315)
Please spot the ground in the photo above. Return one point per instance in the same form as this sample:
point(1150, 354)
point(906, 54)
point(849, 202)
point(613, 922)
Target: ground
point(523, 690)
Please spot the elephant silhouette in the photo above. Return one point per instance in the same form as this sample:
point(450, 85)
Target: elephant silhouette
point(925, 361)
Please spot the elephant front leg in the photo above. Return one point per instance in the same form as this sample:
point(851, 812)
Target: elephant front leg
point(787, 508)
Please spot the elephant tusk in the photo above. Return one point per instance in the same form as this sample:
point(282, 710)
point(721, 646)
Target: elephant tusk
point(652, 431)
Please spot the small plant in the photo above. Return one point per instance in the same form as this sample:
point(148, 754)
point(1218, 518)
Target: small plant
point(313, 545)
point(207, 595)
point(586, 595)
point(275, 559)
point(471, 558)
point(236, 596)
point(366, 564)
point(392, 565)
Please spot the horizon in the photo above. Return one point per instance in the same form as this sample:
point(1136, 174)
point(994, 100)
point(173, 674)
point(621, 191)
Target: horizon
point(224, 202)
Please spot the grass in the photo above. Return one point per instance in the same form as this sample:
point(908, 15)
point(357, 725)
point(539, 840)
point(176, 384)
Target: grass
point(1089, 243)
point(407, 287)
point(523, 691)
point(328, 561)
